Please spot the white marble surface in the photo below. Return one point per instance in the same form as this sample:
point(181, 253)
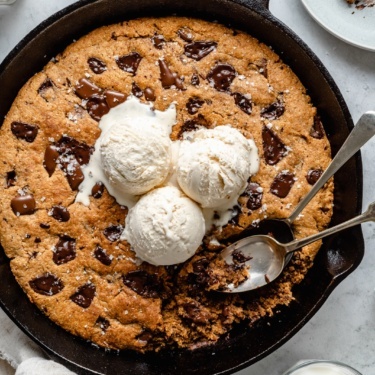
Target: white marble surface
point(344, 328)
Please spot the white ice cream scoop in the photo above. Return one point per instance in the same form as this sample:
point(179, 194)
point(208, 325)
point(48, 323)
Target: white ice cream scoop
point(214, 165)
point(165, 227)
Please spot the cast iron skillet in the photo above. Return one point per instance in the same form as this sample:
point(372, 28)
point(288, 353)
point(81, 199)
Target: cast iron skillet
point(338, 257)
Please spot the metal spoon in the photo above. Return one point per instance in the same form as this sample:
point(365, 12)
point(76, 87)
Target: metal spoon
point(267, 256)
point(361, 133)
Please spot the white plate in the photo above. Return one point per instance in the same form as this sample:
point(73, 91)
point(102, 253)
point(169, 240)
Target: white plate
point(354, 26)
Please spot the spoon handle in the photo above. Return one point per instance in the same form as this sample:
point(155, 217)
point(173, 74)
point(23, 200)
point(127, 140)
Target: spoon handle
point(361, 133)
point(369, 215)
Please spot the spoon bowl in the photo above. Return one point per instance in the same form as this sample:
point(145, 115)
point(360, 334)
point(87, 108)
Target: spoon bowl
point(266, 256)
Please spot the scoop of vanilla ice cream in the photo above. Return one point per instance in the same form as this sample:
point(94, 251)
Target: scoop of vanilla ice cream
point(135, 157)
point(214, 165)
point(135, 148)
point(165, 227)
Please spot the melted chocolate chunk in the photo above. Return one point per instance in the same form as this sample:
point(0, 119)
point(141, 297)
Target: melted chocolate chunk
point(103, 323)
point(243, 103)
point(10, 179)
point(317, 130)
point(114, 98)
point(50, 159)
point(37, 240)
point(168, 78)
point(136, 90)
point(96, 65)
point(44, 226)
point(273, 148)
point(113, 232)
point(97, 190)
point(195, 80)
point(273, 111)
point(101, 255)
point(47, 84)
point(85, 89)
point(158, 41)
point(221, 76)
point(195, 313)
point(65, 250)
point(313, 175)
point(144, 284)
point(282, 184)
point(185, 34)
point(150, 94)
point(193, 105)
point(255, 194)
point(70, 154)
point(97, 106)
point(23, 204)
point(26, 132)
point(60, 213)
point(84, 295)
point(262, 65)
point(129, 63)
point(235, 215)
point(239, 257)
point(198, 50)
point(47, 284)
point(193, 124)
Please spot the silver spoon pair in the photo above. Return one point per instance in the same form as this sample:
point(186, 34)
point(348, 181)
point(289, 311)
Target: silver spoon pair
point(267, 257)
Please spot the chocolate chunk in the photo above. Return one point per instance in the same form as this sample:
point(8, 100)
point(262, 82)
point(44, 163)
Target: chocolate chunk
point(273, 111)
point(273, 148)
point(262, 66)
point(150, 94)
point(70, 154)
point(193, 105)
point(198, 50)
point(103, 323)
point(101, 255)
point(10, 179)
point(243, 102)
point(235, 215)
point(97, 190)
point(221, 76)
point(50, 159)
point(37, 240)
point(60, 213)
point(195, 80)
point(23, 204)
point(282, 184)
point(317, 130)
point(47, 284)
point(44, 226)
point(114, 98)
point(193, 124)
point(129, 63)
point(65, 250)
point(47, 84)
point(313, 175)
point(136, 90)
point(185, 34)
point(144, 284)
point(113, 232)
point(85, 89)
point(194, 313)
point(97, 106)
point(168, 78)
point(200, 265)
point(26, 132)
point(96, 65)
point(239, 257)
point(158, 41)
point(84, 295)
point(255, 194)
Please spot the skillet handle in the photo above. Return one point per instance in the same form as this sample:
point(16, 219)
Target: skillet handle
point(264, 3)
